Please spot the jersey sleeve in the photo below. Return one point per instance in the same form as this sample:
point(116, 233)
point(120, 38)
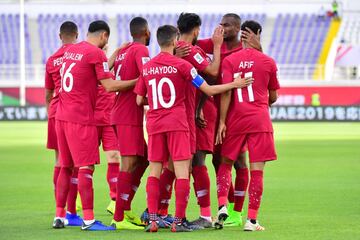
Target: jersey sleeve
point(141, 57)
point(49, 82)
point(207, 45)
point(191, 75)
point(140, 87)
point(101, 65)
point(197, 59)
point(227, 74)
point(273, 81)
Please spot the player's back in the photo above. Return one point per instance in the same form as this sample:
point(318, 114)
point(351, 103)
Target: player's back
point(53, 77)
point(127, 66)
point(250, 105)
point(83, 65)
point(166, 78)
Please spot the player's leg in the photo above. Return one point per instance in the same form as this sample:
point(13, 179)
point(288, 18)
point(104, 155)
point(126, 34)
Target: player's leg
point(71, 214)
point(52, 144)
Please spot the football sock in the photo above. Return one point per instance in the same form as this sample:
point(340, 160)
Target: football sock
point(111, 177)
point(122, 194)
point(86, 191)
point(136, 176)
point(153, 194)
point(241, 184)
point(202, 189)
point(166, 184)
point(223, 180)
point(55, 178)
point(72, 194)
point(62, 189)
point(182, 191)
point(255, 193)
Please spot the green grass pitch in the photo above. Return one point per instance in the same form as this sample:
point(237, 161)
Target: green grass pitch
point(311, 192)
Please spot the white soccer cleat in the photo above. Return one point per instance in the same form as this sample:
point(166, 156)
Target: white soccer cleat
point(221, 217)
point(249, 226)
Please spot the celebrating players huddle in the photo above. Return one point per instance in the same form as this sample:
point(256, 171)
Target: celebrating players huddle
point(198, 105)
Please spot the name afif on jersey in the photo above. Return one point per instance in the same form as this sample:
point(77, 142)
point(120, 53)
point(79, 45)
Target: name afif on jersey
point(246, 64)
point(159, 70)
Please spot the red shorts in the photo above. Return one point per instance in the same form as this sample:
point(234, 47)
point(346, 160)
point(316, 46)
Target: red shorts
point(51, 135)
point(107, 136)
point(261, 146)
point(77, 143)
point(175, 145)
point(131, 140)
point(205, 137)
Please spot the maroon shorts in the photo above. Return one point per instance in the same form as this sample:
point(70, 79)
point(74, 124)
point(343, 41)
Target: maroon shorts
point(131, 140)
point(205, 137)
point(175, 145)
point(78, 145)
point(261, 146)
point(51, 135)
point(107, 137)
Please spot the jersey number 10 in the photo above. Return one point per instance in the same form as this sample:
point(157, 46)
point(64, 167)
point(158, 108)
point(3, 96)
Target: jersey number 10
point(249, 88)
point(157, 95)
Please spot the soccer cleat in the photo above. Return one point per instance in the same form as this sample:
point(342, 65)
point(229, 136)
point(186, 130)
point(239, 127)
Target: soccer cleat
point(145, 217)
point(234, 219)
point(202, 222)
point(125, 224)
point(73, 220)
point(249, 226)
point(152, 227)
point(221, 217)
point(190, 225)
point(131, 217)
point(162, 223)
point(111, 207)
point(58, 223)
point(168, 218)
point(96, 226)
point(180, 227)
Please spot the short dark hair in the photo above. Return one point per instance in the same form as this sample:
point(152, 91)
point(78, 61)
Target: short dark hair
point(68, 28)
point(236, 17)
point(166, 34)
point(188, 21)
point(99, 25)
point(252, 25)
point(138, 26)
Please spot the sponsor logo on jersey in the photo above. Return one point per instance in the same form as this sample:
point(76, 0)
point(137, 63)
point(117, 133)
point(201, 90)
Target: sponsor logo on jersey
point(106, 67)
point(145, 60)
point(193, 72)
point(198, 58)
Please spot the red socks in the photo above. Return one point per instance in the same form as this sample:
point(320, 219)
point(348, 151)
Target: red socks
point(223, 180)
point(86, 191)
point(241, 184)
point(122, 194)
point(182, 191)
point(72, 194)
point(255, 193)
point(111, 176)
point(153, 194)
point(202, 189)
point(62, 189)
point(135, 182)
point(166, 184)
point(55, 178)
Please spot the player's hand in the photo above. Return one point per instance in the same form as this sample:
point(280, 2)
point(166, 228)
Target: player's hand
point(243, 82)
point(251, 38)
point(182, 51)
point(221, 133)
point(200, 120)
point(105, 48)
point(218, 36)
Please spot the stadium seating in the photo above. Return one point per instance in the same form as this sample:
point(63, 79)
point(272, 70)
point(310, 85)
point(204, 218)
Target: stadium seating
point(350, 30)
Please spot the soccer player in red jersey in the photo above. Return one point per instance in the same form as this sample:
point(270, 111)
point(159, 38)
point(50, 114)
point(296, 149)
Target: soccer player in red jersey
point(68, 36)
point(245, 119)
point(84, 65)
point(164, 80)
point(128, 117)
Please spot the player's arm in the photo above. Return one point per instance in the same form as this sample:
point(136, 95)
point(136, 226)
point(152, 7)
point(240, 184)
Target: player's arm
point(49, 93)
point(224, 107)
point(49, 88)
point(251, 38)
point(213, 68)
point(273, 84)
point(117, 86)
point(112, 58)
point(273, 96)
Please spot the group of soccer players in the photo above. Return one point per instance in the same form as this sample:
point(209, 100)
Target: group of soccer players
point(198, 105)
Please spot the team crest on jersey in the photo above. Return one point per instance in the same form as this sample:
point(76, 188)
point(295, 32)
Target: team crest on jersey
point(145, 60)
point(193, 72)
point(198, 58)
point(106, 67)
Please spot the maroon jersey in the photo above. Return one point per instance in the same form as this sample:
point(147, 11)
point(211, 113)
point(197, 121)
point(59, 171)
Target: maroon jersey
point(83, 66)
point(249, 108)
point(165, 79)
point(128, 65)
point(208, 46)
point(104, 103)
point(53, 78)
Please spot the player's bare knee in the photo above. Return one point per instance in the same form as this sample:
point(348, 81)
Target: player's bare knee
point(91, 167)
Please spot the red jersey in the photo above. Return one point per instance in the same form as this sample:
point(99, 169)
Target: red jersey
point(249, 108)
point(208, 46)
point(53, 78)
point(104, 103)
point(83, 66)
point(165, 79)
point(128, 65)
